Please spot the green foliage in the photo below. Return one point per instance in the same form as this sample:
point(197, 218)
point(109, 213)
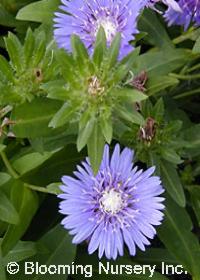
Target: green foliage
point(30, 65)
point(40, 11)
point(26, 204)
point(177, 237)
point(55, 248)
point(99, 84)
point(31, 119)
point(53, 104)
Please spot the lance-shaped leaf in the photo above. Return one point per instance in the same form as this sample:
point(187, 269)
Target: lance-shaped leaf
point(26, 203)
point(8, 212)
point(133, 116)
point(95, 146)
point(23, 250)
point(176, 234)
point(56, 248)
point(15, 51)
point(113, 51)
point(40, 11)
point(85, 133)
point(99, 47)
point(5, 69)
point(172, 182)
point(129, 94)
point(31, 119)
point(65, 114)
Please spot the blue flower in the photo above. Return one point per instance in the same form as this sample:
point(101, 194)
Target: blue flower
point(121, 204)
point(85, 17)
point(190, 14)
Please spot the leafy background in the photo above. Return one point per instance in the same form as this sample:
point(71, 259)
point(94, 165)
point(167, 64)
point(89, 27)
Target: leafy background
point(42, 137)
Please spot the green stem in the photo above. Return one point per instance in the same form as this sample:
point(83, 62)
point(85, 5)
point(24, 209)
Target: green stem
point(195, 67)
point(185, 77)
point(181, 39)
point(191, 34)
point(15, 175)
point(187, 93)
point(38, 189)
point(8, 165)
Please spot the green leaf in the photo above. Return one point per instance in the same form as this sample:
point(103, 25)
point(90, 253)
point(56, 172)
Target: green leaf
point(157, 34)
point(4, 178)
point(133, 116)
point(23, 250)
point(196, 48)
point(176, 234)
point(40, 11)
point(56, 90)
point(154, 160)
point(192, 135)
point(7, 211)
point(40, 48)
point(195, 200)
point(173, 126)
point(32, 118)
point(129, 94)
point(95, 147)
point(15, 51)
point(158, 110)
point(80, 55)
point(106, 128)
point(172, 183)
point(26, 203)
point(124, 262)
point(156, 256)
point(170, 155)
point(79, 51)
point(159, 63)
point(113, 51)
point(29, 45)
point(63, 161)
point(63, 115)
point(5, 69)
point(125, 65)
point(6, 18)
point(67, 65)
point(2, 147)
point(99, 47)
point(2, 269)
point(55, 248)
point(30, 161)
point(85, 133)
point(157, 84)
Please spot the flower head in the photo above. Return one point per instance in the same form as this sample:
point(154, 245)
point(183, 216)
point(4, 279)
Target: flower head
point(85, 17)
point(121, 204)
point(190, 14)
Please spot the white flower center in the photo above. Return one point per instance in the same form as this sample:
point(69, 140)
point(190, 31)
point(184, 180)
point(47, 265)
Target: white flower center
point(111, 201)
point(108, 26)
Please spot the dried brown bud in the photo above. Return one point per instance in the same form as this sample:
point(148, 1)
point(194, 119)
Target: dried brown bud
point(139, 81)
point(147, 132)
point(4, 127)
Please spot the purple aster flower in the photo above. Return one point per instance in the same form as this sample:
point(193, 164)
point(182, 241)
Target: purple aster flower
point(85, 17)
point(121, 204)
point(190, 13)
